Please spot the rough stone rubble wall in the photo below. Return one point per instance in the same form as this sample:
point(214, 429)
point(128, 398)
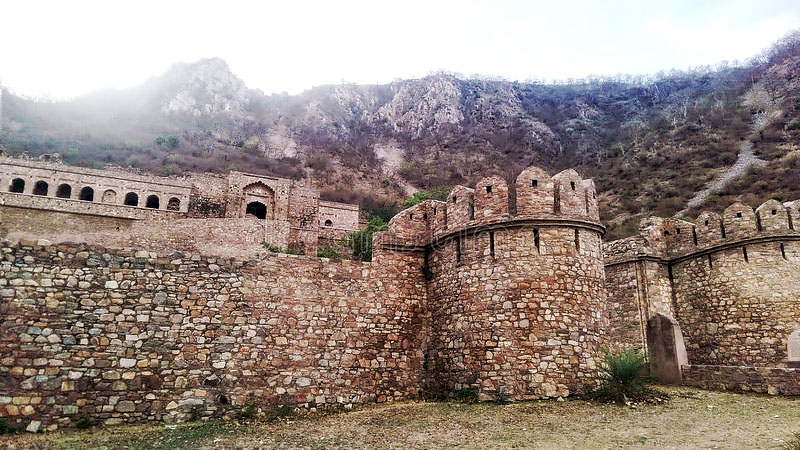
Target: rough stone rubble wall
point(731, 280)
point(517, 302)
point(525, 321)
point(122, 336)
point(764, 380)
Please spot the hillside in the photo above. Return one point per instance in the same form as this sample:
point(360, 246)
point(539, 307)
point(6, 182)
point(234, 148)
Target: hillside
point(651, 144)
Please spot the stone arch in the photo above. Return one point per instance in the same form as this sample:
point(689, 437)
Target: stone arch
point(174, 204)
point(793, 347)
point(328, 223)
point(132, 199)
point(257, 209)
point(64, 191)
point(259, 192)
point(17, 186)
point(109, 196)
point(40, 188)
point(152, 202)
point(87, 194)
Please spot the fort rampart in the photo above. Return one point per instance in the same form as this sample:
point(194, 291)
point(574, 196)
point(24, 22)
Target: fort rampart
point(730, 281)
point(463, 293)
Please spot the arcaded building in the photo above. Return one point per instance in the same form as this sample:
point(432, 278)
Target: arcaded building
point(52, 200)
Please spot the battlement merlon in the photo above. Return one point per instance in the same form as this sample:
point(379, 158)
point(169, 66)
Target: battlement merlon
point(739, 224)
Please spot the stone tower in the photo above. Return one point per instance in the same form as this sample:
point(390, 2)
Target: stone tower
point(516, 301)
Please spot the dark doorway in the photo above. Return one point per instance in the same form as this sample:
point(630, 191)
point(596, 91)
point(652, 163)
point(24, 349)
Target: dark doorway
point(64, 191)
point(257, 209)
point(40, 188)
point(152, 202)
point(18, 185)
point(87, 194)
point(131, 199)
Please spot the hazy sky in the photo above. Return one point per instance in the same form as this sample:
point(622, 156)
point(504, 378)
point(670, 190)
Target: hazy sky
point(61, 49)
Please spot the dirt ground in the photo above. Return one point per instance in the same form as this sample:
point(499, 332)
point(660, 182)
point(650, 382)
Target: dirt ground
point(692, 418)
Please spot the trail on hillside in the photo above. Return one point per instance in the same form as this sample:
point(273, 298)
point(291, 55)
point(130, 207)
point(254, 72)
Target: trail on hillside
point(744, 161)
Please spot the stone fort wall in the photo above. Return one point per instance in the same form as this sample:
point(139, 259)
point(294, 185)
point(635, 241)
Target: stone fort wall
point(123, 335)
point(460, 293)
point(731, 282)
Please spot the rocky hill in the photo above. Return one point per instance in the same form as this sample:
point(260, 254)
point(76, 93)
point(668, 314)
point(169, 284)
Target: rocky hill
point(653, 144)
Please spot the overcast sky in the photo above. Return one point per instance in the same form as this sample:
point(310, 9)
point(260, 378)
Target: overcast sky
point(60, 49)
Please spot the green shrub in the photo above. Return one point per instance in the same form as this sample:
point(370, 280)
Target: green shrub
point(173, 142)
point(275, 249)
point(248, 412)
point(5, 428)
point(439, 193)
point(251, 144)
point(84, 423)
point(280, 412)
point(502, 398)
point(467, 395)
point(361, 241)
point(793, 443)
point(623, 379)
point(329, 253)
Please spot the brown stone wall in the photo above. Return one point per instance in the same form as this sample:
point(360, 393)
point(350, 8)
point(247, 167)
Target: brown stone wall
point(740, 313)
point(764, 380)
point(124, 336)
point(626, 309)
point(733, 285)
point(16, 223)
point(523, 320)
point(209, 196)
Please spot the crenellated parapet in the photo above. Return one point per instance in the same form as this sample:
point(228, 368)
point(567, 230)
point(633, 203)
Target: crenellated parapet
point(562, 199)
point(738, 224)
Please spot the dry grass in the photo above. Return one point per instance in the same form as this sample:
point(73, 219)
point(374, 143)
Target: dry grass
point(691, 419)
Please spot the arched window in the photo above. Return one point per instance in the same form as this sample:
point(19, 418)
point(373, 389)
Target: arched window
point(40, 188)
point(109, 196)
point(87, 194)
point(257, 209)
point(131, 199)
point(17, 185)
point(152, 202)
point(174, 204)
point(794, 346)
point(64, 191)
point(329, 223)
